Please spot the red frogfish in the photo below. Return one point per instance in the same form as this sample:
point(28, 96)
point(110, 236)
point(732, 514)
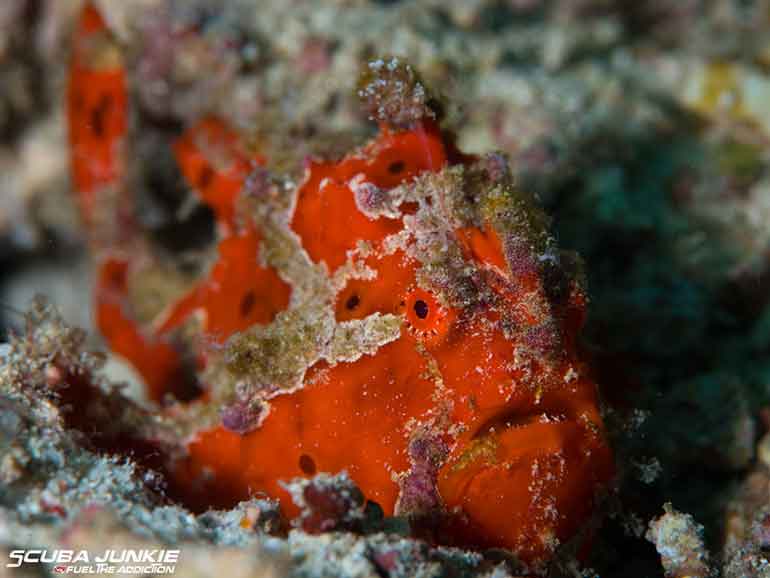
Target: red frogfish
point(402, 314)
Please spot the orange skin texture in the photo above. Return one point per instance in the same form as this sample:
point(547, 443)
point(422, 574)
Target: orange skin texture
point(390, 160)
point(213, 161)
point(525, 455)
point(237, 294)
point(97, 113)
point(97, 106)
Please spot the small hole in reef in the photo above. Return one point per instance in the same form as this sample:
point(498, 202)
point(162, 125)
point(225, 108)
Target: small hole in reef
point(373, 511)
point(307, 465)
point(396, 167)
point(247, 303)
point(421, 308)
point(161, 205)
point(352, 302)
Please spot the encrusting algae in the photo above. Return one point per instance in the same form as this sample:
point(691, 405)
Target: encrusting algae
point(401, 314)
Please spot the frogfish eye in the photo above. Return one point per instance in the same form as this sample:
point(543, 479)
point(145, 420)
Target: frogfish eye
point(426, 317)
